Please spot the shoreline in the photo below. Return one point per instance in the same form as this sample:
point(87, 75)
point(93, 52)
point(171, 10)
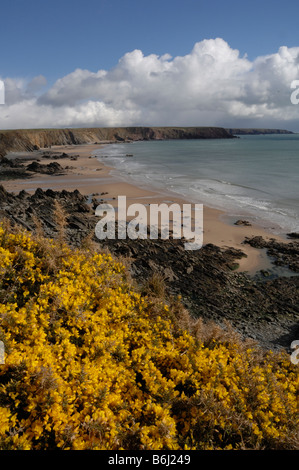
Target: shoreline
point(92, 177)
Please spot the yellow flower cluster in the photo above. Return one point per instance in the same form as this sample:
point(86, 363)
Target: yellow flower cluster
point(90, 363)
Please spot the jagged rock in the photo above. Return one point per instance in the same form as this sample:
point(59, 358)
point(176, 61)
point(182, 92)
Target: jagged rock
point(55, 156)
point(12, 169)
point(14, 163)
point(284, 254)
point(52, 168)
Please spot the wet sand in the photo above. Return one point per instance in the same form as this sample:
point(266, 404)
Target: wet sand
point(91, 177)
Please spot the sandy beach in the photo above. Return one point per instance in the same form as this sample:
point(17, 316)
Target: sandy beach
point(91, 177)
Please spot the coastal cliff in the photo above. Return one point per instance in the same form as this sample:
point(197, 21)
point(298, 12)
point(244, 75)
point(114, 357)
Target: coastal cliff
point(25, 140)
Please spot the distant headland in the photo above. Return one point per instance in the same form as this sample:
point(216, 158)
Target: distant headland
point(20, 140)
point(257, 131)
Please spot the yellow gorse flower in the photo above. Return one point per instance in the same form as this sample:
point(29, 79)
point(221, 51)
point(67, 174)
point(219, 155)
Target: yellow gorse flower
point(91, 364)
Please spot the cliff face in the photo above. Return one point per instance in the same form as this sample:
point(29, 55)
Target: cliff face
point(33, 139)
point(23, 140)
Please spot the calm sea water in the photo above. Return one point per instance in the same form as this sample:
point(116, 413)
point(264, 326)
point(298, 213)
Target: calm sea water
point(253, 176)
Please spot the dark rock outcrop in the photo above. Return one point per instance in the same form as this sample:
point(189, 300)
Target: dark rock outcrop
point(12, 169)
point(15, 168)
point(52, 168)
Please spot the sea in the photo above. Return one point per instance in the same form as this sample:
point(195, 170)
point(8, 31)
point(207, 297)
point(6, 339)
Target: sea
point(252, 176)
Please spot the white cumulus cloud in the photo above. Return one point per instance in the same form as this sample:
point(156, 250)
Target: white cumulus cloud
point(212, 85)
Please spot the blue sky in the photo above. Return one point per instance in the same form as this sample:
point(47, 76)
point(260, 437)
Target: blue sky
point(48, 40)
point(55, 37)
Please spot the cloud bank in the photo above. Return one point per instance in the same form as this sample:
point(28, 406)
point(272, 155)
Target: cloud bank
point(210, 86)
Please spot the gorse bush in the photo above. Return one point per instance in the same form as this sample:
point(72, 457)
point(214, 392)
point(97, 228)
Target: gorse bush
point(91, 363)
